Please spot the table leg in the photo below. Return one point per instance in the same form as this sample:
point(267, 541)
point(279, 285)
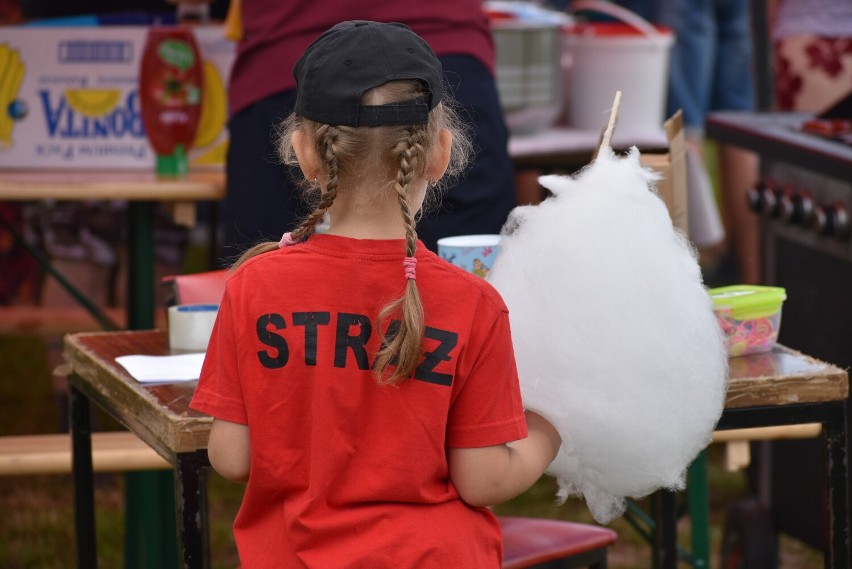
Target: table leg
point(191, 491)
point(833, 417)
point(140, 266)
point(81, 468)
point(697, 489)
point(838, 554)
point(151, 539)
point(151, 536)
point(664, 507)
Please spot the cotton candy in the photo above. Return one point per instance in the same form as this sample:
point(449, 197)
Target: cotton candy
point(614, 333)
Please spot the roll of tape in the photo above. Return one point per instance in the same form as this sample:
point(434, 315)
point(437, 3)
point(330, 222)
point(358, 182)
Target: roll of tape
point(190, 326)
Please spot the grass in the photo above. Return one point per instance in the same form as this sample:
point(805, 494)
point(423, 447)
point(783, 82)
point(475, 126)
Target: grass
point(37, 527)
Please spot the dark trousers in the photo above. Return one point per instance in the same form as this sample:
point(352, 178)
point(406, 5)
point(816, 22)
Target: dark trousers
point(263, 199)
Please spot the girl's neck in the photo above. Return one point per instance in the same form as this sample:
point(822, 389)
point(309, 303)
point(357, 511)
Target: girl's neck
point(372, 218)
point(361, 230)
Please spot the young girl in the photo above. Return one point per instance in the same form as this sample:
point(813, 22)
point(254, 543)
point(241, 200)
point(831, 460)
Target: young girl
point(364, 388)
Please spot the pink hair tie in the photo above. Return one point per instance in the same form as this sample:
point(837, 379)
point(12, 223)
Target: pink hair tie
point(410, 265)
point(286, 240)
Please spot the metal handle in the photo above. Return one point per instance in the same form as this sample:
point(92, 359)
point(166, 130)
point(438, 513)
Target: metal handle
point(618, 12)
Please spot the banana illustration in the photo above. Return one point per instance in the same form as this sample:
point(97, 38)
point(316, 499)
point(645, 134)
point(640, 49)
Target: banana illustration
point(214, 107)
point(12, 72)
point(234, 21)
point(92, 102)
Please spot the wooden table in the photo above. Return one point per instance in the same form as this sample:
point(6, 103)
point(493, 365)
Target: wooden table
point(159, 414)
point(777, 388)
point(144, 190)
point(563, 150)
point(568, 149)
point(783, 387)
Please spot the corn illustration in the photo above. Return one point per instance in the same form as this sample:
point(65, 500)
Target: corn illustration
point(12, 72)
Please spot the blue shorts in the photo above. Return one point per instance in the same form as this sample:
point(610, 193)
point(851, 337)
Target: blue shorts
point(711, 59)
point(264, 200)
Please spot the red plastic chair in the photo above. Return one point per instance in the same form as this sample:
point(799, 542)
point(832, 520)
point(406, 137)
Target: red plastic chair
point(195, 288)
point(534, 543)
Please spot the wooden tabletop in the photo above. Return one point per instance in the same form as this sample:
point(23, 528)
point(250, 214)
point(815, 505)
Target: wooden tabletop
point(782, 377)
point(160, 414)
point(25, 185)
point(570, 149)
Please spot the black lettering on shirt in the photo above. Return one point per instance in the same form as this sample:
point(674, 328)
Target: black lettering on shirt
point(357, 343)
point(426, 370)
point(269, 338)
point(311, 321)
point(352, 332)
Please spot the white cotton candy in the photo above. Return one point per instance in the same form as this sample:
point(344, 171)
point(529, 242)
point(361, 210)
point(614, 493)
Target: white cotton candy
point(615, 337)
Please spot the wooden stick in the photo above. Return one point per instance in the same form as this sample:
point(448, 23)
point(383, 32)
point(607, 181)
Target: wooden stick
point(613, 116)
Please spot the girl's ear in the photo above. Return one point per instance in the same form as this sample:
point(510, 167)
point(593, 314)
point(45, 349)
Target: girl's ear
point(440, 156)
point(305, 154)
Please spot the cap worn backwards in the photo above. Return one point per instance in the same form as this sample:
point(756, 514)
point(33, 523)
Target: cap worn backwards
point(355, 56)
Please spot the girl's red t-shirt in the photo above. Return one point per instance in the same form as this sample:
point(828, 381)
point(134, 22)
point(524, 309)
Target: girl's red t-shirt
point(347, 473)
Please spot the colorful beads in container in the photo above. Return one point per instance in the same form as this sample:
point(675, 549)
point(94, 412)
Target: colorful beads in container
point(749, 315)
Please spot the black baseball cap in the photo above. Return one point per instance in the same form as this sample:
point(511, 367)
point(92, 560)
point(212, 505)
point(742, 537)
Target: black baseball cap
point(355, 56)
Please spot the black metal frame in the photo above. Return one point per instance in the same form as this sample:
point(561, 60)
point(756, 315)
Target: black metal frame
point(190, 473)
point(832, 415)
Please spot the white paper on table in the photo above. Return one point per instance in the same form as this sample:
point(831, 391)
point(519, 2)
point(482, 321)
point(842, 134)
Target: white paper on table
point(162, 369)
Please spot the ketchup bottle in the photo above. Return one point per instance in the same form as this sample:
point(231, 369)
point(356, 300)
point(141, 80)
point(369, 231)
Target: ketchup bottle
point(170, 88)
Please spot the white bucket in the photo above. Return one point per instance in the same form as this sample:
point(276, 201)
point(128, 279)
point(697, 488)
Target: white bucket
point(631, 56)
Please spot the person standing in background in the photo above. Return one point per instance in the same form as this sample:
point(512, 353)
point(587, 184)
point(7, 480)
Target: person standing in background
point(711, 69)
point(263, 200)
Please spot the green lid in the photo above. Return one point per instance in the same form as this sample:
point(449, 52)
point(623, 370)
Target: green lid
point(174, 164)
point(748, 301)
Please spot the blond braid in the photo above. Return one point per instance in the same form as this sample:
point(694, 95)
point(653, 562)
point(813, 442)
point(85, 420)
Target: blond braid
point(326, 136)
point(404, 349)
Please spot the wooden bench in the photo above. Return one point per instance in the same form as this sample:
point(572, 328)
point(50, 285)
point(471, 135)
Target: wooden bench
point(119, 451)
point(40, 320)
point(51, 454)
point(738, 441)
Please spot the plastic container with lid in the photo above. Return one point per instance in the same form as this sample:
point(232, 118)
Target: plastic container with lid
point(749, 315)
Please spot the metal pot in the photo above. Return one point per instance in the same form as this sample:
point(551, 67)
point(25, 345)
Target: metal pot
point(529, 73)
